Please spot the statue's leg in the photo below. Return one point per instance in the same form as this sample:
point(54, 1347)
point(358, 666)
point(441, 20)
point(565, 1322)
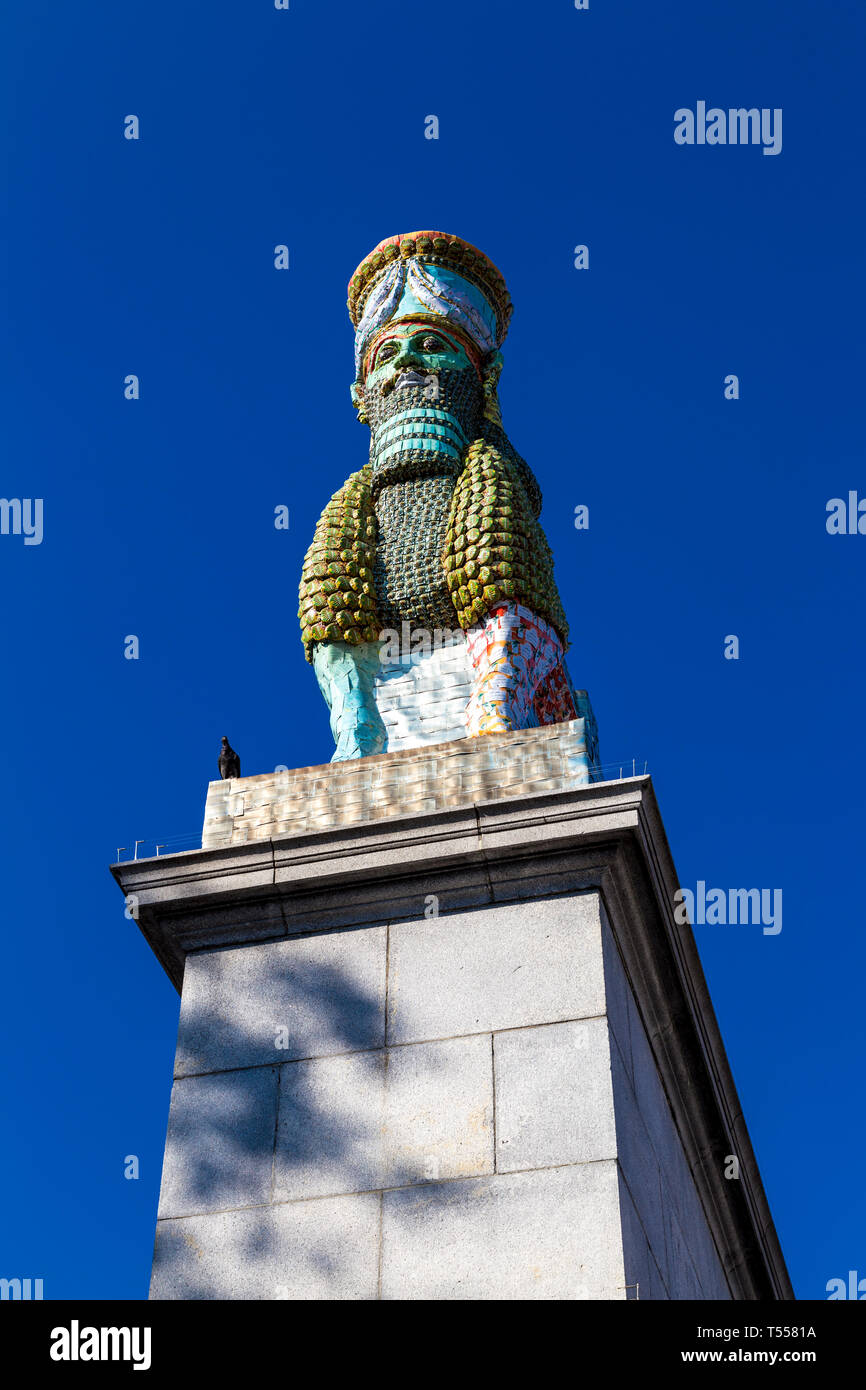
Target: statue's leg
point(511, 651)
point(345, 674)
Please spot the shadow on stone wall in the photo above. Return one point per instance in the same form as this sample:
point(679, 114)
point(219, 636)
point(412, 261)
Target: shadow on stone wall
point(279, 1137)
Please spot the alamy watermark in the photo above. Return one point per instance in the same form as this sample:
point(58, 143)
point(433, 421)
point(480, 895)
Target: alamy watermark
point(21, 1289)
point(22, 516)
point(410, 644)
point(736, 126)
point(77, 1343)
point(846, 517)
point(854, 1289)
point(716, 907)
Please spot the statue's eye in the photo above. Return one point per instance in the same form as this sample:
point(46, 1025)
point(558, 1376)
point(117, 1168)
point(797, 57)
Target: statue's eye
point(435, 345)
point(387, 351)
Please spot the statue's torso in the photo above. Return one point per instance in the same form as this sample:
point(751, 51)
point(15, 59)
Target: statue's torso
point(412, 518)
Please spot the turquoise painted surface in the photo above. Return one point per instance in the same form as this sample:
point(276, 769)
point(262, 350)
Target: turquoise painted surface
point(345, 675)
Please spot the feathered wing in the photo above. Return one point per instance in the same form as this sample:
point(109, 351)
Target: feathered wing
point(495, 549)
point(337, 594)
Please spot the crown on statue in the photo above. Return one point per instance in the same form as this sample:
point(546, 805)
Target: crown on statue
point(429, 275)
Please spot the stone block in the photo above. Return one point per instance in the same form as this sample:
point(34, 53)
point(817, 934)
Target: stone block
point(439, 1110)
point(330, 1130)
point(371, 1120)
point(551, 1234)
point(300, 1250)
point(638, 1161)
point(617, 995)
point(681, 1204)
point(649, 1093)
point(220, 1143)
point(678, 1188)
point(303, 997)
point(554, 1098)
point(495, 968)
point(680, 1272)
point(643, 1277)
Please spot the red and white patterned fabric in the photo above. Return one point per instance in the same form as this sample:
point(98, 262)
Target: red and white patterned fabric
point(518, 677)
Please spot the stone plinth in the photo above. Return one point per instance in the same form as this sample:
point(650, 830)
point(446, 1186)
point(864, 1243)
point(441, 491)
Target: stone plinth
point(461, 1055)
point(456, 773)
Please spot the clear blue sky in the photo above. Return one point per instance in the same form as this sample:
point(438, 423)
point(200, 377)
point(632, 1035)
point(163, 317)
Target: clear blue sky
point(707, 516)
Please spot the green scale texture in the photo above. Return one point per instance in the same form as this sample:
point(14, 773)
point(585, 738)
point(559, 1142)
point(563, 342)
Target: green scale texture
point(493, 550)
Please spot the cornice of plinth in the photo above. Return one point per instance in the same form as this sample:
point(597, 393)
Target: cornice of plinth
point(607, 836)
point(369, 872)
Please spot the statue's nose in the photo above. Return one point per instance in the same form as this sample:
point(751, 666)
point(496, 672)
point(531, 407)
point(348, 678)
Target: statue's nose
point(406, 357)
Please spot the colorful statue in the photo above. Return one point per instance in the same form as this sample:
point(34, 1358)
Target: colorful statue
point(427, 604)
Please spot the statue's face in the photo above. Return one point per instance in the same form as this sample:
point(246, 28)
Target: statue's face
point(410, 369)
point(413, 355)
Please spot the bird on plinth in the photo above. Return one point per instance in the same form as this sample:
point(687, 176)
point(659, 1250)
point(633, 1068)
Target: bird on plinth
point(229, 763)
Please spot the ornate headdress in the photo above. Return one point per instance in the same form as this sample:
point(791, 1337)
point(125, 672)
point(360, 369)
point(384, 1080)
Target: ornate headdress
point(428, 275)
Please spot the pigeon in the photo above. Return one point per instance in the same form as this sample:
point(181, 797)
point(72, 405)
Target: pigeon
point(229, 763)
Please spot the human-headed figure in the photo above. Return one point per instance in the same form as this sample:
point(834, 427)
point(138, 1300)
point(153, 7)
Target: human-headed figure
point(439, 531)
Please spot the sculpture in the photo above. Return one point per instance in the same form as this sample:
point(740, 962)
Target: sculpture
point(437, 536)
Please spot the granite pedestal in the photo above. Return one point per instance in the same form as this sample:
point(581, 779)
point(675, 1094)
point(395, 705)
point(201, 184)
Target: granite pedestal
point(463, 1054)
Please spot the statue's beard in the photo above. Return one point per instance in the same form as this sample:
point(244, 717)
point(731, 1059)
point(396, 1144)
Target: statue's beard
point(413, 486)
point(456, 398)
